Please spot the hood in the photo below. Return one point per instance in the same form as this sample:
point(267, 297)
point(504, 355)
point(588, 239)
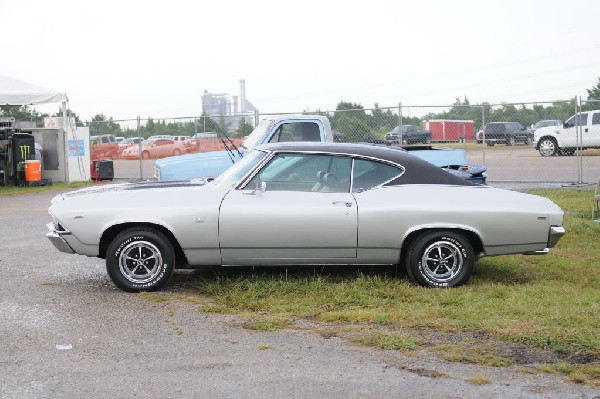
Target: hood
point(193, 157)
point(202, 164)
point(113, 188)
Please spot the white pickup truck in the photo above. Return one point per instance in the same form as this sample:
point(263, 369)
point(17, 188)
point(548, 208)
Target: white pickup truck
point(563, 140)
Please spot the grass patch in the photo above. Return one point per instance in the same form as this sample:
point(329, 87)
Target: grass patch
point(58, 186)
point(390, 341)
point(478, 380)
point(481, 354)
point(153, 297)
point(268, 324)
point(550, 302)
point(578, 373)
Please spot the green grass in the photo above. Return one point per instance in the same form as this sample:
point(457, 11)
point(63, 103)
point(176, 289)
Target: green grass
point(549, 302)
point(15, 190)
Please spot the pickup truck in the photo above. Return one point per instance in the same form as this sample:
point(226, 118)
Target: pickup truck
point(563, 140)
point(287, 128)
point(410, 135)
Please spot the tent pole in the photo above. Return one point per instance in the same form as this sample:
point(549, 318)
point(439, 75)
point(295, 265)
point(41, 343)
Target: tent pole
point(64, 143)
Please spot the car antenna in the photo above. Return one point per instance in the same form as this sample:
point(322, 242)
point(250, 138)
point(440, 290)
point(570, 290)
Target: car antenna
point(235, 147)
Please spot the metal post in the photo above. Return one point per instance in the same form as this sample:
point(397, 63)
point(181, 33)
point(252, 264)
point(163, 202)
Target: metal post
point(256, 117)
point(140, 149)
point(483, 143)
point(579, 132)
point(400, 123)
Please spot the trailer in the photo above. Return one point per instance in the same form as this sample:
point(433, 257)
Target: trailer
point(450, 130)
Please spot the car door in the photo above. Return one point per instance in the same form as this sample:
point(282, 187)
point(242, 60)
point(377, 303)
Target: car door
point(592, 130)
point(297, 209)
point(569, 134)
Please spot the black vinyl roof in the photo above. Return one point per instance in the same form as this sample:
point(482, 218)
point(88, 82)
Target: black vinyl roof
point(417, 171)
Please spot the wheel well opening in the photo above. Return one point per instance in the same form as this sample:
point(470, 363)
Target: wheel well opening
point(113, 231)
point(473, 239)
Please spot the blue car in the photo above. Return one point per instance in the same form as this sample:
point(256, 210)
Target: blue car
point(304, 128)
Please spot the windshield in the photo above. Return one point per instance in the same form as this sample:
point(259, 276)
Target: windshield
point(239, 170)
point(258, 134)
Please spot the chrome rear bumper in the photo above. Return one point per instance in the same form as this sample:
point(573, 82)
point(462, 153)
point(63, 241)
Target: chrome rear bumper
point(57, 240)
point(556, 232)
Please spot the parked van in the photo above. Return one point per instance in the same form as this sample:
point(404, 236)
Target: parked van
point(564, 140)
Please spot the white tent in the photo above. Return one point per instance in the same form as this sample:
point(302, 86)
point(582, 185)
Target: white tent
point(69, 168)
point(17, 92)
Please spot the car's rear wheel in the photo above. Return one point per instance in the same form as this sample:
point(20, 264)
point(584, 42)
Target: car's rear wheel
point(547, 147)
point(404, 141)
point(528, 140)
point(427, 140)
point(146, 155)
point(510, 140)
point(140, 259)
point(176, 152)
point(440, 259)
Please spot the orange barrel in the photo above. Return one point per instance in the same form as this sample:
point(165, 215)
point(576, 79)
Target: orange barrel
point(33, 170)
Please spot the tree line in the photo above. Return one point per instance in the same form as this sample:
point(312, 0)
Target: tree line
point(349, 119)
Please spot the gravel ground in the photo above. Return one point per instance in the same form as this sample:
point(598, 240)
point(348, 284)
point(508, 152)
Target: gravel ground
point(66, 331)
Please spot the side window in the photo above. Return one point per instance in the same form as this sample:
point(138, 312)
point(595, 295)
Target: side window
point(105, 140)
point(577, 120)
point(596, 118)
point(369, 174)
point(305, 172)
point(296, 131)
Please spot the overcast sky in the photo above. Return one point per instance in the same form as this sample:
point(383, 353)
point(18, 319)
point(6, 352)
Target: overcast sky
point(155, 58)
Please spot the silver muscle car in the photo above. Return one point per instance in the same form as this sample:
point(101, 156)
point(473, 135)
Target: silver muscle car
point(304, 204)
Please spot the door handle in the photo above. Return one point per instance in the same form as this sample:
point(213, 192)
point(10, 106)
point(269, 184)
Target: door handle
point(344, 203)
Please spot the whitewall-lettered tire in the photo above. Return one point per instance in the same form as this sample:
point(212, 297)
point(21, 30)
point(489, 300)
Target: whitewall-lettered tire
point(140, 259)
point(440, 259)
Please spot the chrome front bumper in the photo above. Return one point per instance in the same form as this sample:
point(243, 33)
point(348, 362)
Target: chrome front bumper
point(56, 238)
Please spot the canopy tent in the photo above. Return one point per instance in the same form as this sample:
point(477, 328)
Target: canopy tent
point(17, 92)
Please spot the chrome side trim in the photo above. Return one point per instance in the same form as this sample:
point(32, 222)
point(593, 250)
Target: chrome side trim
point(541, 252)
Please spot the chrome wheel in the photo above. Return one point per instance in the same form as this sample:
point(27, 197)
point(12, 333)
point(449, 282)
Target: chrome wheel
point(140, 262)
point(547, 147)
point(442, 261)
point(439, 259)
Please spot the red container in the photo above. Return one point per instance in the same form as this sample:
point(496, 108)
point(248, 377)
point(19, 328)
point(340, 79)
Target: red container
point(450, 130)
point(33, 170)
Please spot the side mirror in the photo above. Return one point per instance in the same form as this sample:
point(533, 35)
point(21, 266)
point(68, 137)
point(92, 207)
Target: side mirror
point(258, 190)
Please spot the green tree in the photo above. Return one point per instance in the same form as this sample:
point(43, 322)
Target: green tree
point(244, 128)
point(594, 92)
point(22, 113)
point(100, 124)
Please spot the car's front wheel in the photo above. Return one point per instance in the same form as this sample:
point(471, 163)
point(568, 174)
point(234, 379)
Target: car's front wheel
point(548, 147)
point(140, 259)
point(440, 259)
point(510, 140)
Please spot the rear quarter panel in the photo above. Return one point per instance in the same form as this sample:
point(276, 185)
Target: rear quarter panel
point(505, 221)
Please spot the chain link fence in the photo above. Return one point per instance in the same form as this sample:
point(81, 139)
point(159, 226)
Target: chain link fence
point(500, 136)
